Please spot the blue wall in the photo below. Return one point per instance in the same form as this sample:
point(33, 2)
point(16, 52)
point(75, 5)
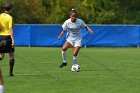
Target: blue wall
point(104, 35)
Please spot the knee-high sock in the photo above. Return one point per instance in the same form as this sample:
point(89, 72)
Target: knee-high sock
point(64, 56)
point(11, 64)
point(74, 59)
point(1, 89)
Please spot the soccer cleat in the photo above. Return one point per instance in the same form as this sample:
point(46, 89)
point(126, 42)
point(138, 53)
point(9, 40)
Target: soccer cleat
point(11, 74)
point(63, 64)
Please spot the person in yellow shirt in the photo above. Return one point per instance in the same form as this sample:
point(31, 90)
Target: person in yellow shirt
point(6, 36)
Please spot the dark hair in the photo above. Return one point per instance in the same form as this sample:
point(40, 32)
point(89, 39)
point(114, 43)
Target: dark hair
point(8, 6)
point(73, 11)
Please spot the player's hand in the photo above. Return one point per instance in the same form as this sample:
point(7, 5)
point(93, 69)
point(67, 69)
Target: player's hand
point(13, 45)
point(91, 32)
point(59, 37)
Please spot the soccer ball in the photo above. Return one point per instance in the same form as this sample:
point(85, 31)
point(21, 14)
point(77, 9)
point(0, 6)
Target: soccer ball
point(75, 68)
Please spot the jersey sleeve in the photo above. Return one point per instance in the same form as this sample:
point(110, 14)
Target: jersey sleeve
point(10, 22)
point(83, 23)
point(64, 26)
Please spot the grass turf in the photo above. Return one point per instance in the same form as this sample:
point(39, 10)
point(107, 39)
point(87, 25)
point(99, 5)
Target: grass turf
point(103, 70)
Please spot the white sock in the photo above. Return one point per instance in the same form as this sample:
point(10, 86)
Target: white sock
point(64, 56)
point(1, 89)
point(74, 59)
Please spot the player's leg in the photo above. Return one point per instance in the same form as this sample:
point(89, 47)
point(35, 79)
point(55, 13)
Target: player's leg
point(1, 83)
point(2, 45)
point(9, 49)
point(77, 45)
point(75, 53)
point(11, 63)
point(64, 53)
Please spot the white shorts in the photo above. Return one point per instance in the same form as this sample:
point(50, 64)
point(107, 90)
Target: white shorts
point(75, 43)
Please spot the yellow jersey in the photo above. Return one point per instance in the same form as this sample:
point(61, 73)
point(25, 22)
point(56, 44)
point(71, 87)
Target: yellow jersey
point(5, 23)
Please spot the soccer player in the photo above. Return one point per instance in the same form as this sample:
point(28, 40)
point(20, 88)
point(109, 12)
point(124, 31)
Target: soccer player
point(73, 26)
point(1, 83)
point(6, 36)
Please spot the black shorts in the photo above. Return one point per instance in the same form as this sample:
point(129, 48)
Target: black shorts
point(7, 48)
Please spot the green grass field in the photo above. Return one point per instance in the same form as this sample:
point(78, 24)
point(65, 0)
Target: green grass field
point(103, 70)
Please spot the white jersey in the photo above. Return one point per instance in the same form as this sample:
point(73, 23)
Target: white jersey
point(73, 29)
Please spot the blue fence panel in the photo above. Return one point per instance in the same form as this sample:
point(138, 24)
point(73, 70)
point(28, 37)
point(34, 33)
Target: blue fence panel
point(104, 35)
point(45, 35)
point(115, 36)
point(22, 35)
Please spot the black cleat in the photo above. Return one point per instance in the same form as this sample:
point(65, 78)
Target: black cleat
point(63, 64)
point(11, 74)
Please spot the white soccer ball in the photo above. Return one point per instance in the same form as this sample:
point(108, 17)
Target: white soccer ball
point(75, 68)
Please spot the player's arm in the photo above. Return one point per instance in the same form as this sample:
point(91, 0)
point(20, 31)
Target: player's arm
point(61, 34)
point(11, 31)
point(64, 27)
point(90, 31)
point(12, 35)
point(84, 25)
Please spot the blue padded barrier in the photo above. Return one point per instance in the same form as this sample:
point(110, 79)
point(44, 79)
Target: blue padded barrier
point(104, 35)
